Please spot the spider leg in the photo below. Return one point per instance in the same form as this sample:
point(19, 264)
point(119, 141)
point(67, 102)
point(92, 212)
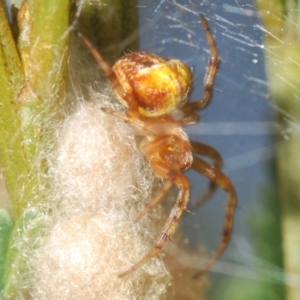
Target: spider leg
point(150, 127)
point(170, 225)
point(210, 72)
point(223, 181)
point(162, 192)
point(212, 153)
point(138, 124)
point(161, 169)
point(109, 73)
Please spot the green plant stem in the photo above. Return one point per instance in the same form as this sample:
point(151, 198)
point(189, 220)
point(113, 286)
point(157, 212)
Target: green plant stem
point(13, 160)
point(48, 26)
point(32, 93)
point(282, 53)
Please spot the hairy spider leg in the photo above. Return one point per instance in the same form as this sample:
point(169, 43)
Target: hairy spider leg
point(211, 71)
point(148, 149)
point(160, 168)
point(223, 181)
point(208, 151)
point(170, 225)
point(159, 196)
point(110, 75)
point(147, 126)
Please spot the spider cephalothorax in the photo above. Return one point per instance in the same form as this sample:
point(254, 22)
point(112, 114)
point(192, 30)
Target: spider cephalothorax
point(154, 90)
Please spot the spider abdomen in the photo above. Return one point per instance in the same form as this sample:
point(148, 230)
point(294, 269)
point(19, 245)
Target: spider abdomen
point(157, 85)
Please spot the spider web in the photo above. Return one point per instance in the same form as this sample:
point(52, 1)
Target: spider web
point(239, 122)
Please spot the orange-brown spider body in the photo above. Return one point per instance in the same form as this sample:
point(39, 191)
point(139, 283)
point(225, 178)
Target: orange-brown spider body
point(155, 93)
point(159, 85)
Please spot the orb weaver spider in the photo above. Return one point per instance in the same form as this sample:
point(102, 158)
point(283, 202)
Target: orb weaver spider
point(155, 90)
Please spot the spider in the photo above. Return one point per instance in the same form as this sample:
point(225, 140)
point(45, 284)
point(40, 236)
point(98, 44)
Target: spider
point(155, 91)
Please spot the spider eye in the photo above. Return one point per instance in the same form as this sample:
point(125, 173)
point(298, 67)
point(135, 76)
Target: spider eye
point(156, 85)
